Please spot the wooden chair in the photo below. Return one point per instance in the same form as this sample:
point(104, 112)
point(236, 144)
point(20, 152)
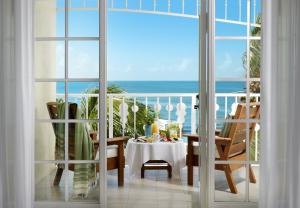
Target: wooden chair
point(232, 148)
point(115, 146)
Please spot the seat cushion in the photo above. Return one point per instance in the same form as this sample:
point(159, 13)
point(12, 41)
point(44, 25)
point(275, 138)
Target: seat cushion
point(226, 127)
point(196, 150)
point(112, 151)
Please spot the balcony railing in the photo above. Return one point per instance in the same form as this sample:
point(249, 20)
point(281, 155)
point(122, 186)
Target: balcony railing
point(178, 107)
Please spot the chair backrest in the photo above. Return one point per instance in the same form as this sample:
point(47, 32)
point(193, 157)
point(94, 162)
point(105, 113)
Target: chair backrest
point(53, 112)
point(238, 130)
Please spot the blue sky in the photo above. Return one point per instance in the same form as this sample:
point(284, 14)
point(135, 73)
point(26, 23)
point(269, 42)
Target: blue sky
point(151, 47)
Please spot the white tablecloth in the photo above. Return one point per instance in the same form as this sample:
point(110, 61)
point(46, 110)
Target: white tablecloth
point(139, 153)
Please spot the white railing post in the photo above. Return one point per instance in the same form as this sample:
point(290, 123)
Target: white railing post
point(257, 128)
point(169, 112)
point(256, 146)
point(111, 116)
point(134, 117)
point(193, 115)
point(225, 107)
point(123, 112)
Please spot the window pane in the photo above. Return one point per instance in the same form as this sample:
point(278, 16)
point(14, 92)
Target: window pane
point(83, 19)
point(255, 142)
point(83, 141)
point(49, 141)
point(233, 10)
point(237, 177)
point(230, 58)
point(83, 59)
point(228, 95)
point(47, 92)
point(254, 185)
point(49, 18)
point(84, 182)
point(49, 59)
point(85, 95)
point(255, 58)
point(230, 29)
point(44, 177)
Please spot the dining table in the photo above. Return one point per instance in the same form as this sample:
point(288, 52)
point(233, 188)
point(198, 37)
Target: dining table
point(138, 153)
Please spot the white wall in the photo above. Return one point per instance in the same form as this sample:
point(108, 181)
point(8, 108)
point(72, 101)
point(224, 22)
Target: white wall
point(45, 67)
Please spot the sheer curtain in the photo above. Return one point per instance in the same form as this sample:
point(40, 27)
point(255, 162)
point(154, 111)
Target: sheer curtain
point(280, 164)
point(16, 104)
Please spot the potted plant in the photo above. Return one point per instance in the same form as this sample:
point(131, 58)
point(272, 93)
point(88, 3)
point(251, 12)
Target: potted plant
point(149, 119)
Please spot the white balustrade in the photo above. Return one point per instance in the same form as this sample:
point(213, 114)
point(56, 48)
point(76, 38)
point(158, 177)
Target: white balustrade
point(230, 100)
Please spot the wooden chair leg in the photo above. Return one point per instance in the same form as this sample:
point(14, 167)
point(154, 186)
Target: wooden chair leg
point(230, 181)
point(120, 176)
point(190, 163)
point(58, 175)
point(251, 175)
point(143, 171)
point(169, 171)
point(121, 165)
point(190, 174)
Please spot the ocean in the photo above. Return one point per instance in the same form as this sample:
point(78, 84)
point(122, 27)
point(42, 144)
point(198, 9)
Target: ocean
point(165, 87)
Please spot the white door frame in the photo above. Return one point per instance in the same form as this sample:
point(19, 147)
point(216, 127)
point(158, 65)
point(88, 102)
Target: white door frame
point(211, 112)
point(203, 156)
point(103, 103)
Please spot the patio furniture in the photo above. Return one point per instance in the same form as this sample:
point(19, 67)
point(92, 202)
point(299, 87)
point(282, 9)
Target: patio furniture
point(156, 165)
point(229, 148)
point(138, 155)
point(115, 146)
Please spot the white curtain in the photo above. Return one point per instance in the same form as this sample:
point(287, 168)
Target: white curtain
point(16, 104)
point(280, 162)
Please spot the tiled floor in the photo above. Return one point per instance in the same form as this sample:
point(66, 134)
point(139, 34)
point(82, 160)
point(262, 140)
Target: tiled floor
point(155, 190)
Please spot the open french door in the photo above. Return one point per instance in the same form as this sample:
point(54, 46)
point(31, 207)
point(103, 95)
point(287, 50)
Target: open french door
point(230, 42)
point(66, 32)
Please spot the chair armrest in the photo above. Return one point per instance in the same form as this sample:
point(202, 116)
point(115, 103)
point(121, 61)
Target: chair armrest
point(222, 140)
point(217, 132)
point(192, 137)
point(117, 140)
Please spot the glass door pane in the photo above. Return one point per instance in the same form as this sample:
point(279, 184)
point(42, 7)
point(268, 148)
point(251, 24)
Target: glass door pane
point(234, 97)
point(70, 83)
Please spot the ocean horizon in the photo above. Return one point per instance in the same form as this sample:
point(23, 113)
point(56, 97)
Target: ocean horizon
point(155, 86)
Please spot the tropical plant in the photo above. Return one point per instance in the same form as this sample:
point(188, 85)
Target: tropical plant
point(255, 66)
point(255, 57)
point(149, 116)
point(89, 110)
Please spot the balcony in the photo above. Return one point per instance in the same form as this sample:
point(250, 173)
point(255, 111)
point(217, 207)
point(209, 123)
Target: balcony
point(165, 104)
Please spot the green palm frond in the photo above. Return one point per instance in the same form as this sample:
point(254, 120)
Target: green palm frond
point(91, 112)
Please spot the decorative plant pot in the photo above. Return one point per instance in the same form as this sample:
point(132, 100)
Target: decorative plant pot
point(148, 130)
